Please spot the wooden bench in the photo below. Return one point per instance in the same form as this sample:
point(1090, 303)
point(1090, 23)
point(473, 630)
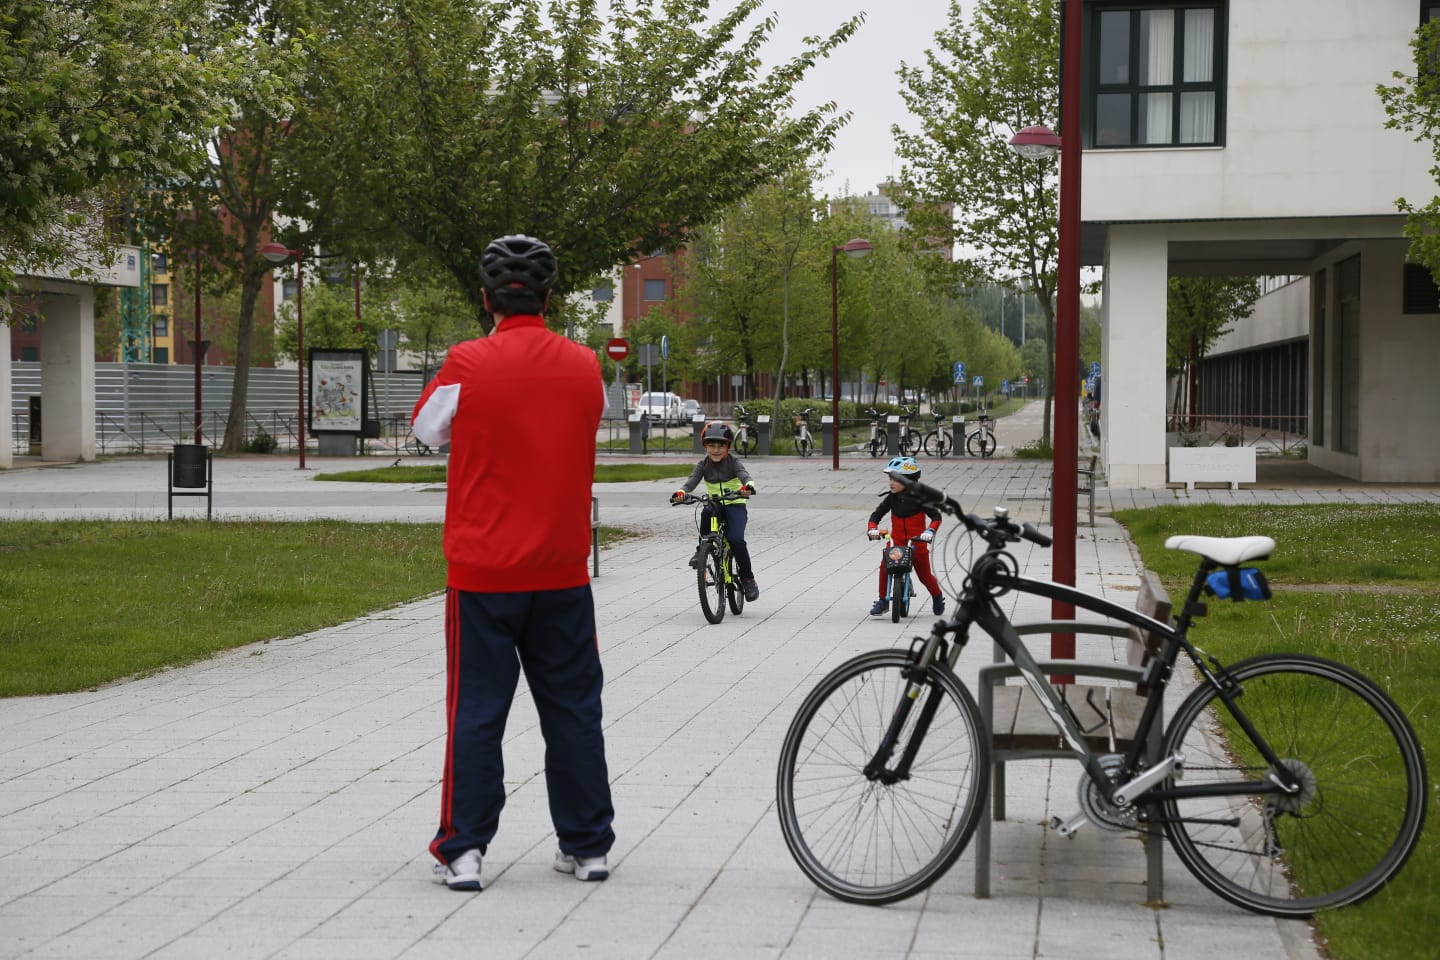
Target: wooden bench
point(1020, 729)
point(595, 535)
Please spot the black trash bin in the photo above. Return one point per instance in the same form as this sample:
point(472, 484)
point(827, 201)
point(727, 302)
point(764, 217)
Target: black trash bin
point(189, 465)
point(190, 475)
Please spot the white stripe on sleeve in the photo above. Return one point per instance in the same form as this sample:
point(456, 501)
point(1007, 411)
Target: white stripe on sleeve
point(432, 424)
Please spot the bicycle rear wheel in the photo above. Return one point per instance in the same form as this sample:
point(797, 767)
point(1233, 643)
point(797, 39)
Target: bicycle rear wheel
point(883, 838)
point(711, 580)
point(1362, 793)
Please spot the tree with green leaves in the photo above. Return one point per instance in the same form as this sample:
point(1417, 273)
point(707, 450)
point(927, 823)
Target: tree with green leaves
point(1413, 105)
point(96, 96)
point(609, 128)
point(985, 80)
point(226, 210)
point(1198, 310)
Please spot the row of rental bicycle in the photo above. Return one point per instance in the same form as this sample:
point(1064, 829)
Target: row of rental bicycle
point(909, 442)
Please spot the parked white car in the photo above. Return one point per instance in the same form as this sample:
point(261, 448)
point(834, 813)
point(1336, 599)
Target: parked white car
point(691, 410)
point(665, 407)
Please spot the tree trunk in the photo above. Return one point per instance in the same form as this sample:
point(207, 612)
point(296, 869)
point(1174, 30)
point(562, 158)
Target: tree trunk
point(244, 337)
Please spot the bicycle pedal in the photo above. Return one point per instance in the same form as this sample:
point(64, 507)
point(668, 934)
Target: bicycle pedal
point(1067, 828)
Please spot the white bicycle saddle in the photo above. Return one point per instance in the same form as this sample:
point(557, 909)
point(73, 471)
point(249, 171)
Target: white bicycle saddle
point(1226, 551)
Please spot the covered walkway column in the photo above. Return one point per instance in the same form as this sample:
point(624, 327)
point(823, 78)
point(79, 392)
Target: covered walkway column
point(67, 374)
point(1132, 403)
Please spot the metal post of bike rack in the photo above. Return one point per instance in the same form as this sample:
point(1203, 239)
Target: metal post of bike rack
point(957, 433)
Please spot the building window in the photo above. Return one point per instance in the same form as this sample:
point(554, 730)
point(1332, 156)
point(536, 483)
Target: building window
point(1155, 75)
point(162, 354)
point(1419, 293)
point(603, 293)
point(287, 289)
point(655, 290)
point(162, 326)
point(160, 294)
point(158, 263)
point(29, 354)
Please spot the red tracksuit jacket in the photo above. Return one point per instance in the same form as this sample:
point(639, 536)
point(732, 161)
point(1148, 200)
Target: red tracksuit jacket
point(520, 410)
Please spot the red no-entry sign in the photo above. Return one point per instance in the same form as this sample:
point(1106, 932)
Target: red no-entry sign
point(617, 349)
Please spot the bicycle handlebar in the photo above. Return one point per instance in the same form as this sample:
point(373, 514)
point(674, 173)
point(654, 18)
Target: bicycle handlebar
point(690, 498)
point(996, 531)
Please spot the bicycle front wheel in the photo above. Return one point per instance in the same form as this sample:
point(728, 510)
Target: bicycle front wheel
point(910, 443)
point(897, 597)
point(1360, 806)
point(711, 580)
point(745, 445)
point(937, 444)
point(883, 837)
point(803, 445)
point(734, 592)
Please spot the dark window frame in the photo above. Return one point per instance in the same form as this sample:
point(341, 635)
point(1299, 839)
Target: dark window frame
point(1134, 89)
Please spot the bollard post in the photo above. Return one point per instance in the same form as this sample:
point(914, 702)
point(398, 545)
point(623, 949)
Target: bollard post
point(957, 435)
point(892, 435)
point(827, 430)
point(762, 430)
point(639, 427)
point(697, 426)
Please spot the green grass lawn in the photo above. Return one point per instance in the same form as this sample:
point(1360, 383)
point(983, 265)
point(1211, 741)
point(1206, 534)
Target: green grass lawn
point(1359, 584)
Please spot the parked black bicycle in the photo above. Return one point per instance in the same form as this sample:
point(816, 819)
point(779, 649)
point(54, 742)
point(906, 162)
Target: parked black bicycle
point(744, 432)
point(1286, 783)
point(878, 437)
point(981, 441)
point(715, 574)
point(938, 442)
point(908, 438)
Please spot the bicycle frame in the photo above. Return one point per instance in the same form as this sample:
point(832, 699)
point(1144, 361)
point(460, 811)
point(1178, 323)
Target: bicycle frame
point(982, 612)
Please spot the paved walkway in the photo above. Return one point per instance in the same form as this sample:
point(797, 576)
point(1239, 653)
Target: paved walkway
point(276, 801)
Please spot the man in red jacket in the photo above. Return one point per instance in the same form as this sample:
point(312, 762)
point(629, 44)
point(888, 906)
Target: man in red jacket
point(517, 545)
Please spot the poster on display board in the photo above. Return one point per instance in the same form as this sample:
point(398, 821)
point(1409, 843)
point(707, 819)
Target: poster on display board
point(337, 391)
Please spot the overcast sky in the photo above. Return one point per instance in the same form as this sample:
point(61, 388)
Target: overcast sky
point(860, 77)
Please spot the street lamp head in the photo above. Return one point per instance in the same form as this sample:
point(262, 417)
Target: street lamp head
point(278, 252)
point(855, 248)
point(1036, 143)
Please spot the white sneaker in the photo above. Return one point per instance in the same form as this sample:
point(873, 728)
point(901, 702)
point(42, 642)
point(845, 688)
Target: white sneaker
point(584, 868)
point(462, 873)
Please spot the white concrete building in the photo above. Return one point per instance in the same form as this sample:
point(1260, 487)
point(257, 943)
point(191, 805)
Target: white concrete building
point(1227, 138)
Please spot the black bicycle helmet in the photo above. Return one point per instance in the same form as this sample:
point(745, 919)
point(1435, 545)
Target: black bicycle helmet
point(716, 430)
point(518, 260)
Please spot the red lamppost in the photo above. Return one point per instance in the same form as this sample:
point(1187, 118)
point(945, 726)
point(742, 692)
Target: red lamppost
point(1041, 141)
point(279, 253)
point(853, 248)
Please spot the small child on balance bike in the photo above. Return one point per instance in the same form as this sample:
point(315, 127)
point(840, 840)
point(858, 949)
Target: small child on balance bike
point(908, 524)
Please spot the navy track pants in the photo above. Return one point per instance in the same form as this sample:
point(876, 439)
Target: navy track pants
point(489, 639)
